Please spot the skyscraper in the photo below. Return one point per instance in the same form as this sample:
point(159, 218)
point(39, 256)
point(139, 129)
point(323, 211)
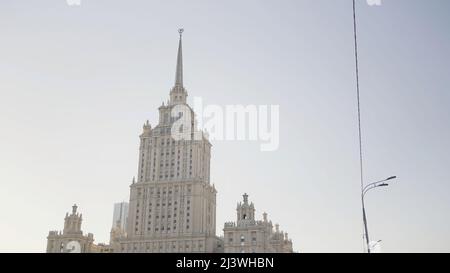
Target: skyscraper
point(120, 215)
point(172, 204)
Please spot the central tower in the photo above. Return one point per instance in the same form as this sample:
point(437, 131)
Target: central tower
point(172, 204)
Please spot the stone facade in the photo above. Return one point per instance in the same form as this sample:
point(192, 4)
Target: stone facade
point(172, 204)
point(248, 235)
point(71, 239)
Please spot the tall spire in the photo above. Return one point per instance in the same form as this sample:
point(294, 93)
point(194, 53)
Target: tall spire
point(178, 94)
point(179, 72)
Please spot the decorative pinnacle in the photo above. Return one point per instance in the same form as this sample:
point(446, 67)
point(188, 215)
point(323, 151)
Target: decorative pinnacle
point(180, 30)
point(74, 208)
point(245, 198)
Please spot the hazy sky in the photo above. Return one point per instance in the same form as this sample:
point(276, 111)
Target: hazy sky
point(77, 83)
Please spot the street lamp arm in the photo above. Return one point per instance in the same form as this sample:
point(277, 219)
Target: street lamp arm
point(374, 183)
point(373, 187)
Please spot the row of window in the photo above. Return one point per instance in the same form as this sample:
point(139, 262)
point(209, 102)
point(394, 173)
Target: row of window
point(162, 228)
point(242, 238)
point(151, 190)
point(174, 245)
point(164, 204)
point(163, 216)
point(165, 141)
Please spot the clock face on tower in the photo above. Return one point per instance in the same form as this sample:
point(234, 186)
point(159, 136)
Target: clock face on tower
point(73, 247)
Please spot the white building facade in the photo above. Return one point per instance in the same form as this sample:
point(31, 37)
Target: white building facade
point(71, 239)
point(248, 235)
point(172, 204)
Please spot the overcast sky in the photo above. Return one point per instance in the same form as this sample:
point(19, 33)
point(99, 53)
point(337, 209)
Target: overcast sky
point(77, 83)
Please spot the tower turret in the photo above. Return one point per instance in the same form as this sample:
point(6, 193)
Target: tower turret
point(245, 211)
point(72, 222)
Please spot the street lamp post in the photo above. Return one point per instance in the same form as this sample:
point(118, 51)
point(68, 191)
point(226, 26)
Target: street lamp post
point(381, 183)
